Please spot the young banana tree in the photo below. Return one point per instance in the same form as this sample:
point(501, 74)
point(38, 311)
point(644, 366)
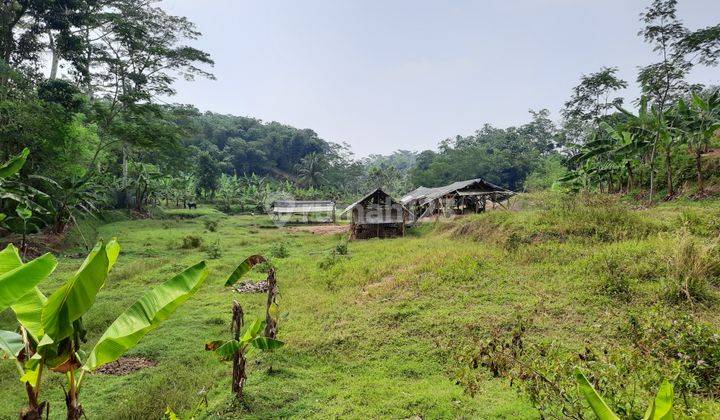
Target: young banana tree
point(55, 329)
point(18, 291)
point(661, 407)
point(245, 341)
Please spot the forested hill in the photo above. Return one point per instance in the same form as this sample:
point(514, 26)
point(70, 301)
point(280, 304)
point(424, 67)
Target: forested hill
point(248, 145)
point(217, 144)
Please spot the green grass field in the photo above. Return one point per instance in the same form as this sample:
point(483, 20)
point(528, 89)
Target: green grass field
point(383, 331)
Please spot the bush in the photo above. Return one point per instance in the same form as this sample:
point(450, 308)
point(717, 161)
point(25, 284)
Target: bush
point(341, 248)
point(191, 241)
point(279, 250)
point(624, 375)
point(329, 260)
point(693, 267)
point(692, 348)
point(211, 225)
point(213, 250)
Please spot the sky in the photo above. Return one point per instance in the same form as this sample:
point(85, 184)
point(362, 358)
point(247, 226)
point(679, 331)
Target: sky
point(400, 74)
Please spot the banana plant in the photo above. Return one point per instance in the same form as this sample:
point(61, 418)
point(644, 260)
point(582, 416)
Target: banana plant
point(701, 120)
point(18, 290)
point(54, 325)
point(246, 340)
point(661, 407)
point(11, 189)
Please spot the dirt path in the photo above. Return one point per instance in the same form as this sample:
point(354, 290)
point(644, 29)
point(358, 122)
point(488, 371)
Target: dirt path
point(321, 229)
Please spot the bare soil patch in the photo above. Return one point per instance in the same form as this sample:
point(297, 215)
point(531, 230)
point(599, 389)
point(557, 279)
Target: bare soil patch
point(321, 229)
point(126, 365)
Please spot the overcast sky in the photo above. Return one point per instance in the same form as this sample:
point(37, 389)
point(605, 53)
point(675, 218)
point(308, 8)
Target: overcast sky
point(384, 75)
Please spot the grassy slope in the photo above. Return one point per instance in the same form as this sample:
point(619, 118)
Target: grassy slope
point(375, 334)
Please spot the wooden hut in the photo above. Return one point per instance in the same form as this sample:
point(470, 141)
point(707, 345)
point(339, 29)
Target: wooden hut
point(377, 215)
point(462, 197)
point(323, 210)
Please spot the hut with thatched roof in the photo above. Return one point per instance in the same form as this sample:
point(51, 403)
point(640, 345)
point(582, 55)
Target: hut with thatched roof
point(377, 215)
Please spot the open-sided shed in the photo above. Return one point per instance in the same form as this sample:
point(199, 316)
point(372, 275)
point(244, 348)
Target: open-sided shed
point(377, 215)
point(470, 196)
point(324, 210)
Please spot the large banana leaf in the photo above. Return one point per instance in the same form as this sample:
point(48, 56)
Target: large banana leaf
point(243, 268)
point(264, 343)
point(74, 298)
point(18, 282)
point(601, 410)
point(661, 407)
point(28, 308)
point(9, 259)
point(13, 166)
point(11, 344)
point(28, 311)
point(145, 315)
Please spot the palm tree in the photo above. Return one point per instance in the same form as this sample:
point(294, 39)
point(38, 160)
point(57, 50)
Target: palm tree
point(311, 170)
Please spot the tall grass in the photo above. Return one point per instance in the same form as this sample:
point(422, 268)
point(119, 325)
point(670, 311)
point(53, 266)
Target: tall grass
point(693, 268)
point(559, 217)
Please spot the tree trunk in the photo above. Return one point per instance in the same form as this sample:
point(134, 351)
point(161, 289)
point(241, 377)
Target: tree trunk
point(74, 409)
point(698, 169)
point(125, 163)
point(652, 173)
point(630, 177)
point(55, 57)
point(88, 65)
point(34, 410)
point(270, 320)
point(668, 168)
point(238, 373)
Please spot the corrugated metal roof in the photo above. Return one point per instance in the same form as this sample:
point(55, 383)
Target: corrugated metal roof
point(415, 194)
point(425, 195)
point(287, 207)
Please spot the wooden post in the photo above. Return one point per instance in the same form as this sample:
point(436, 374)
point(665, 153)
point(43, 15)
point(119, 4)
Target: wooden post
point(238, 374)
point(270, 320)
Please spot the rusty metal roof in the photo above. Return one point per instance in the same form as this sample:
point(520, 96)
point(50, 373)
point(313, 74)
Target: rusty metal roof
point(425, 195)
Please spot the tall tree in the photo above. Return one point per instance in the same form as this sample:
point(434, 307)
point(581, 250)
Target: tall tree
point(589, 104)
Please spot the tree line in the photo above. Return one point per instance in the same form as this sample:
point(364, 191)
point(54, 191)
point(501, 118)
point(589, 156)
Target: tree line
point(661, 143)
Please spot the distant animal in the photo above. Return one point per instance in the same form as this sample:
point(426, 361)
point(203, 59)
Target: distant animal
point(192, 205)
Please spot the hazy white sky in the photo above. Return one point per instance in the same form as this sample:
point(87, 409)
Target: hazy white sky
point(401, 74)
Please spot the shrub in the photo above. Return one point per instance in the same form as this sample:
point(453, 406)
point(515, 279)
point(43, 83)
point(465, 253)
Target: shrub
point(614, 280)
point(692, 268)
point(657, 347)
point(691, 348)
point(329, 260)
point(191, 241)
point(211, 225)
point(213, 250)
point(279, 250)
point(341, 248)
